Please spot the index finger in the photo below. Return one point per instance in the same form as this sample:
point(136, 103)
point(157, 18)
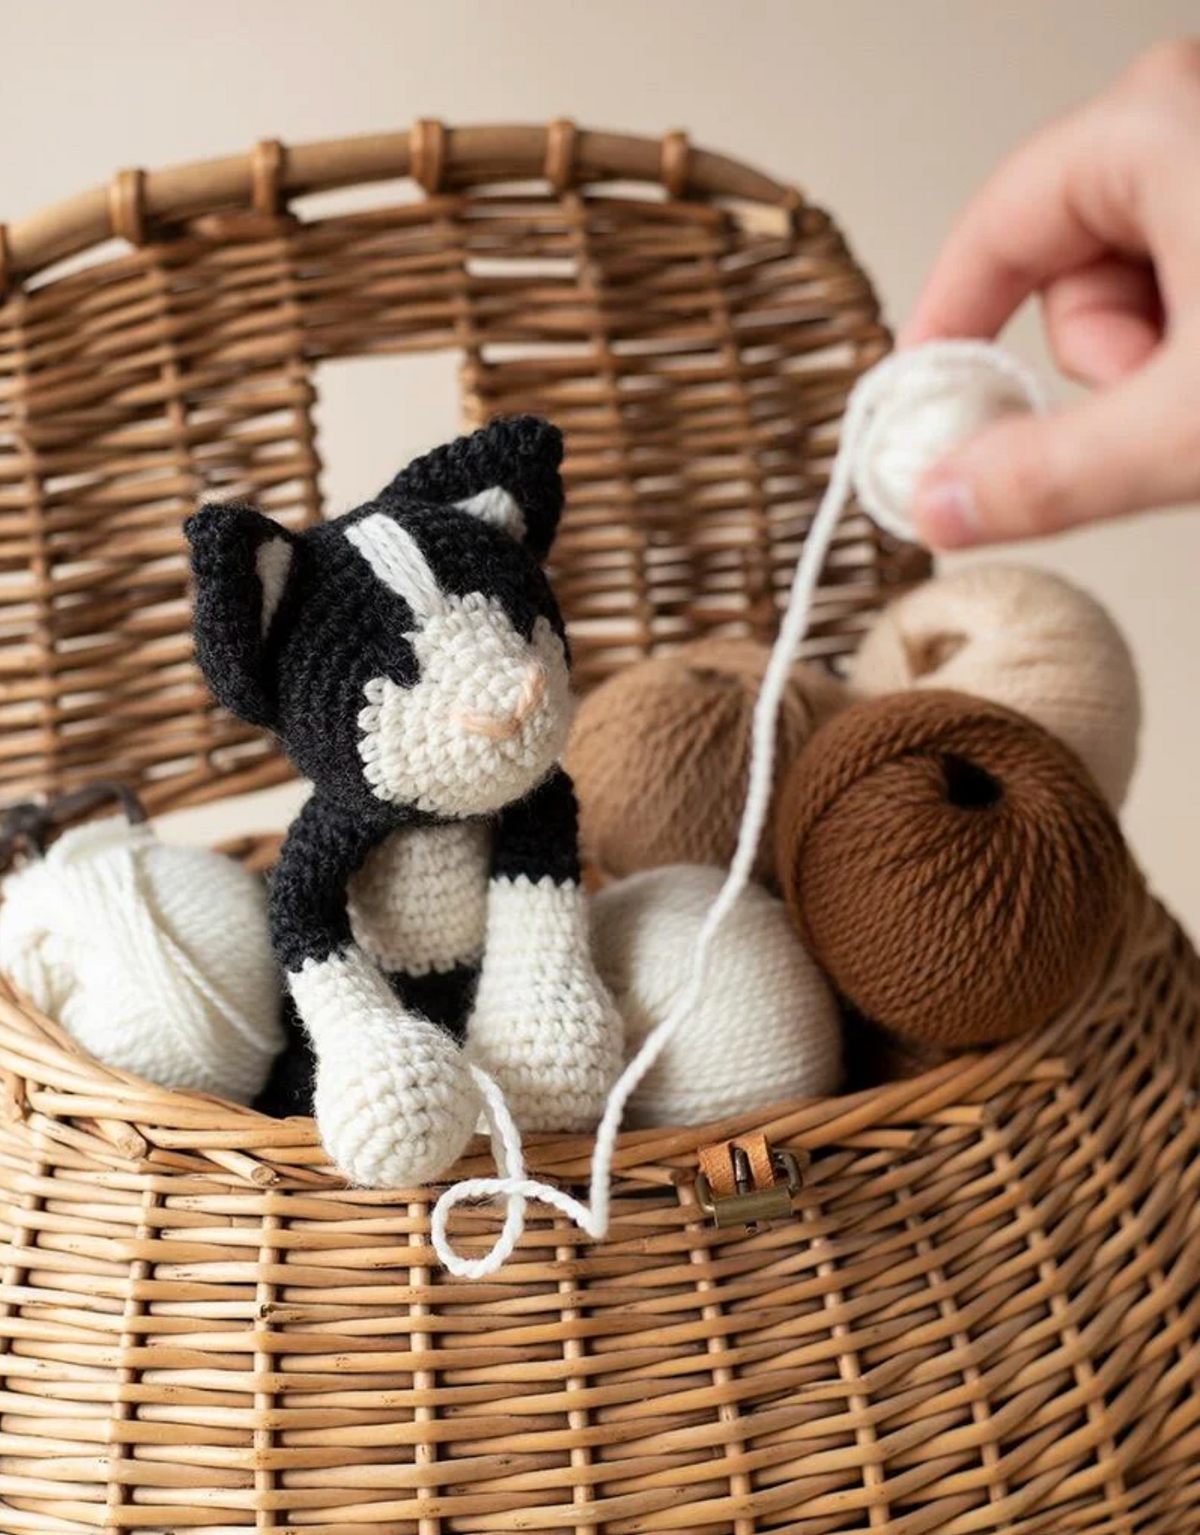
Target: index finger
point(1032, 220)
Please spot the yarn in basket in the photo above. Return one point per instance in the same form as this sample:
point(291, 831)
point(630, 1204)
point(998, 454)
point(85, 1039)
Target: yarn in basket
point(990, 376)
point(1024, 638)
point(787, 1040)
point(156, 958)
point(951, 865)
point(660, 753)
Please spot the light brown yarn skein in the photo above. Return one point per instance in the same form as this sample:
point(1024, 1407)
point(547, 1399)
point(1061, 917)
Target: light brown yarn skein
point(660, 754)
point(1023, 638)
point(951, 865)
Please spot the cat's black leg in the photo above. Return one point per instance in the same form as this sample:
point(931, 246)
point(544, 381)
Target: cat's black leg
point(444, 997)
point(393, 1097)
point(289, 1088)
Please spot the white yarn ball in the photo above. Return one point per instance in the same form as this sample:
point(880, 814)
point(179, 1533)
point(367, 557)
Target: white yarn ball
point(157, 959)
point(768, 1027)
point(919, 405)
point(1023, 638)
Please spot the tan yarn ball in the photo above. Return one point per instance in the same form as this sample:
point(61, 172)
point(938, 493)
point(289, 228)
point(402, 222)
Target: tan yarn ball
point(1023, 638)
point(660, 755)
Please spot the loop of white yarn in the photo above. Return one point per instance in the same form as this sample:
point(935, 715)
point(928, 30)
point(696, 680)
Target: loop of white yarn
point(909, 397)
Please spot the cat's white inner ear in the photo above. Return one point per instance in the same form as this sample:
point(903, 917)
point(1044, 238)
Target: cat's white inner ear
point(495, 506)
point(272, 561)
point(396, 558)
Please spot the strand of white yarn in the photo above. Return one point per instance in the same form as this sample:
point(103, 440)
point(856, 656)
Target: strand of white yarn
point(901, 417)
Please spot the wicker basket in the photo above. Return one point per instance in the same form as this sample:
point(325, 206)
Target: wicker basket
point(979, 1310)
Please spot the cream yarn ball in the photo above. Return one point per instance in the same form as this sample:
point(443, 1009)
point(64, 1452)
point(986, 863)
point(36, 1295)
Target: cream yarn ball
point(768, 1027)
point(156, 958)
point(1023, 638)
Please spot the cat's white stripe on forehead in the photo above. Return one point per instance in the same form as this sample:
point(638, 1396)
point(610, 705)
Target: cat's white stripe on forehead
point(396, 558)
point(496, 506)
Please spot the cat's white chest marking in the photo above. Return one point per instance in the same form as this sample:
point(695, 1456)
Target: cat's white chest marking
point(419, 902)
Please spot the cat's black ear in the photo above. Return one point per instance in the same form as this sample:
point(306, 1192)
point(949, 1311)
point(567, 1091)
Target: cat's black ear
point(241, 565)
point(507, 473)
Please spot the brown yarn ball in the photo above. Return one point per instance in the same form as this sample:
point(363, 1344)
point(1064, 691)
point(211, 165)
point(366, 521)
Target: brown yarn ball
point(951, 865)
point(660, 754)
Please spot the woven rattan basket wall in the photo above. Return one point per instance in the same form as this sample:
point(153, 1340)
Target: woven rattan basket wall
point(982, 1312)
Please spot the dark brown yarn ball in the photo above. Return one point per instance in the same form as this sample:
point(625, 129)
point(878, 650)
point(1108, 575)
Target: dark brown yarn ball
point(660, 754)
point(951, 865)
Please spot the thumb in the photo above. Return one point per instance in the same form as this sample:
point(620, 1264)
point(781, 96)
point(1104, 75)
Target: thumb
point(1122, 449)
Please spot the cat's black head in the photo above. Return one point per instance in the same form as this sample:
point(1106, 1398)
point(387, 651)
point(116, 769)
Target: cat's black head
point(409, 653)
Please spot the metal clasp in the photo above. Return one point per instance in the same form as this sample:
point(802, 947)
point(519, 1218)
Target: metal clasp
point(752, 1205)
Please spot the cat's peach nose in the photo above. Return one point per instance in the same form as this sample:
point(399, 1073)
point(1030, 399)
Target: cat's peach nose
point(502, 727)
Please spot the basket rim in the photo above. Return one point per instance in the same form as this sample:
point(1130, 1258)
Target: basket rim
point(50, 1084)
point(135, 204)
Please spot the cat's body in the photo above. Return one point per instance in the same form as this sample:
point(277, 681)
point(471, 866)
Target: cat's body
point(418, 904)
point(413, 662)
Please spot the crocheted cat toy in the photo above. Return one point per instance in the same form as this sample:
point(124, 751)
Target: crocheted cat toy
point(412, 660)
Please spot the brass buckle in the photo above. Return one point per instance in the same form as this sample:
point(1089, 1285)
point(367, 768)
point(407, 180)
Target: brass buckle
point(751, 1206)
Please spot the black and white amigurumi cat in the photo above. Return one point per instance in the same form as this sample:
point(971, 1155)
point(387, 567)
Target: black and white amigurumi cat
point(427, 907)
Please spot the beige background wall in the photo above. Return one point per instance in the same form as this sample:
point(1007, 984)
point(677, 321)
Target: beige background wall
point(889, 111)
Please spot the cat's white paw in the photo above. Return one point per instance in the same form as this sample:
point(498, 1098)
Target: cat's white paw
point(394, 1100)
point(555, 1063)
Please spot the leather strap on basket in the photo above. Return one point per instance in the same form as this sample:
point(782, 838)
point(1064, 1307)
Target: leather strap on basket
point(720, 1169)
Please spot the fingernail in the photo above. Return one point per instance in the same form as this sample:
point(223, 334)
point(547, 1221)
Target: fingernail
point(945, 514)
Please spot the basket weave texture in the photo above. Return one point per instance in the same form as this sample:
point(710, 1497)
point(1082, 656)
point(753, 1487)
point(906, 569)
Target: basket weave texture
point(983, 1313)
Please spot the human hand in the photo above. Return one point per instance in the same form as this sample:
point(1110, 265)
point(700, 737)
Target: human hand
point(1098, 214)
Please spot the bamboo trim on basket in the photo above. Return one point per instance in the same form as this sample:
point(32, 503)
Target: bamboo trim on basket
point(470, 154)
point(697, 355)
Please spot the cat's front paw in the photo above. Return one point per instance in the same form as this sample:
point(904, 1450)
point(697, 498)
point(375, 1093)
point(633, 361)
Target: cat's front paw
point(554, 1047)
point(394, 1101)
